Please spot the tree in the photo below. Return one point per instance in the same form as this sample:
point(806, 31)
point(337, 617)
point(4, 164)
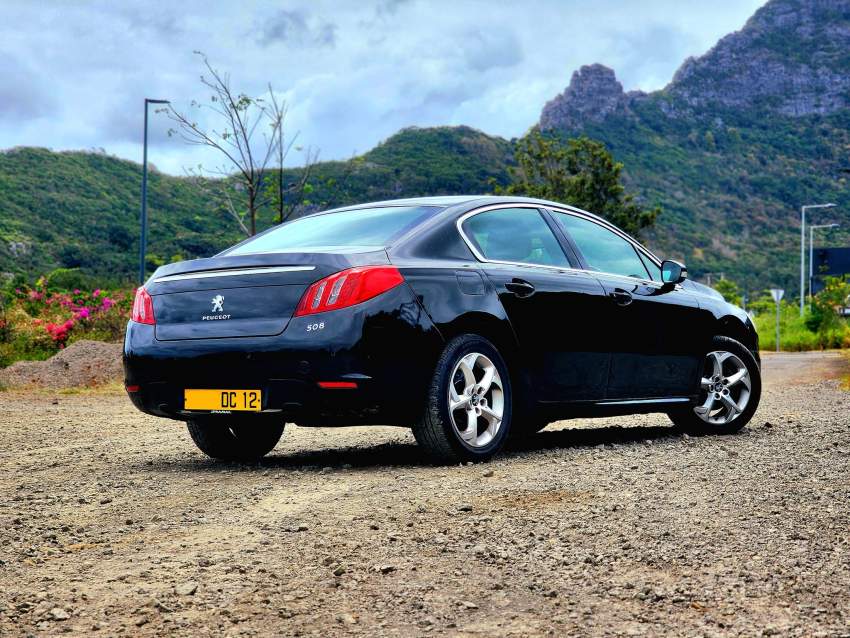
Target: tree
point(249, 133)
point(730, 291)
point(582, 173)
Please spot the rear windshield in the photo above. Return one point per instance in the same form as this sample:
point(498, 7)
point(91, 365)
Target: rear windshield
point(363, 228)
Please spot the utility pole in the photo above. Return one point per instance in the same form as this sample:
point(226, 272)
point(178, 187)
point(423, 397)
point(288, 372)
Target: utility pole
point(143, 216)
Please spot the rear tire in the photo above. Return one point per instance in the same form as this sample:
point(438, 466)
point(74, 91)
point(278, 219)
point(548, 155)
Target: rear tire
point(728, 397)
point(237, 440)
point(467, 416)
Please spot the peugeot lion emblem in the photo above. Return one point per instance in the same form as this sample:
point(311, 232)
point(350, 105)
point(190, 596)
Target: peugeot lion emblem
point(217, 307)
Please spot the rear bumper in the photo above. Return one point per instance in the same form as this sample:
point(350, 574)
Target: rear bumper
point(386, 345)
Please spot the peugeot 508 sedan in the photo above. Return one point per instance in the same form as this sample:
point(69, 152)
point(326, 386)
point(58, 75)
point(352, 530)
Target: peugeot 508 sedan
point(467, 319)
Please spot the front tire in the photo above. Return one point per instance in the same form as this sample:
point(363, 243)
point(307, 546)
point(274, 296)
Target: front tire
point(235, 440)
point(467, 416)
point(730, 390)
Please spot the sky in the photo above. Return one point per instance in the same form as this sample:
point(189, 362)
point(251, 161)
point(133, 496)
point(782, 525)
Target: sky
point(74, 74)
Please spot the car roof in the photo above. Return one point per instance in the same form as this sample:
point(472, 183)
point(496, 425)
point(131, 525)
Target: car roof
point(464, 201)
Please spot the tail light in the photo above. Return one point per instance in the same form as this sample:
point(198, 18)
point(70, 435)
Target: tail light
point(143, 307)
point(348, 287)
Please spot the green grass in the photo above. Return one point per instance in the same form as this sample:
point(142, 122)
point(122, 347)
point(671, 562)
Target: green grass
point(794, 336)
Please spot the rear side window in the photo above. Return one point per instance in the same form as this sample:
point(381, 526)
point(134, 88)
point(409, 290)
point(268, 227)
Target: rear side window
point(518, 235)
point(603, 250)
point(362, 228)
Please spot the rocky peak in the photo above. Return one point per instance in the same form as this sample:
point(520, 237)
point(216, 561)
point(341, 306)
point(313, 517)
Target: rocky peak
point(791, 57)
point(593, 94)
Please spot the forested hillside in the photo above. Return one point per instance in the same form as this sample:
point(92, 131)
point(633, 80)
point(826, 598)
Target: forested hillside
point(75, 209)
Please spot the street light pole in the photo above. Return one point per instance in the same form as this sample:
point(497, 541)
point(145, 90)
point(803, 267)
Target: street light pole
point(143, 217)
point(812, 230)
point(803, 249)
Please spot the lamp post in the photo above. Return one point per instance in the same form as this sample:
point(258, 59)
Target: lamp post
point(143, 217)
point(803, 249)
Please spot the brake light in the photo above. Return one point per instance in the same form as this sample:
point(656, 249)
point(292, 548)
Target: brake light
point(337, 385)
point(348, 287)
point(143, 307)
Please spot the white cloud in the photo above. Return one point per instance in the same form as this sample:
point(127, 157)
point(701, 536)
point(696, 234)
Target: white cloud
point(353, 73)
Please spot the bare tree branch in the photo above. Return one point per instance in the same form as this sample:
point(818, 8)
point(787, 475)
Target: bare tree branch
point(248, 148)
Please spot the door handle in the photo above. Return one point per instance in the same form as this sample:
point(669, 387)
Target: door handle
point(520, 287)
point(621, 297)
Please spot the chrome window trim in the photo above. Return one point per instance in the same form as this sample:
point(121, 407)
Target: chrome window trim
point(568, 269)
point(208, 274)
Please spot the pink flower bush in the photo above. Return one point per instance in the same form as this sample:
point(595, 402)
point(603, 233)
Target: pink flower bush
point(58, 314)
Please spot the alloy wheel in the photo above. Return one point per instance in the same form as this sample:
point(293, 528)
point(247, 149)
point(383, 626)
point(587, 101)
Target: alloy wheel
point(724, 388)
point(476, 400)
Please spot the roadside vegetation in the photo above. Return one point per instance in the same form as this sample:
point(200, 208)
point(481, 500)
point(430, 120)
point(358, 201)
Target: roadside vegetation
point(39, 320)
point(821, 327)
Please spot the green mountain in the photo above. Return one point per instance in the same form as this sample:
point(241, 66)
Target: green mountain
point(81, 210)
point(731, 148)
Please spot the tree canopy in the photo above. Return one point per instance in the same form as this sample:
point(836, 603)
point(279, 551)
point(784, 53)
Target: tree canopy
point(580, 172)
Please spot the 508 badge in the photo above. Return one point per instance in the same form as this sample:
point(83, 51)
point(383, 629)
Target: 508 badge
point(315, 326)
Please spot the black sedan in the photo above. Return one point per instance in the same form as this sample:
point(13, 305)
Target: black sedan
point(467, 319)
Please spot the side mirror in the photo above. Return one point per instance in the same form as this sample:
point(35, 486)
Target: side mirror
point(672, 272)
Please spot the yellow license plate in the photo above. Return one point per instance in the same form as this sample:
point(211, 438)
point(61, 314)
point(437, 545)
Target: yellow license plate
point(226, 400)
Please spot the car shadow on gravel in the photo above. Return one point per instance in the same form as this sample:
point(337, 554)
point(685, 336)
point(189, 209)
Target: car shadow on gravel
point(400, 453)
point(590, 437)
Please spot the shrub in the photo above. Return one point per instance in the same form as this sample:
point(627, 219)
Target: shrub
point(38, 321)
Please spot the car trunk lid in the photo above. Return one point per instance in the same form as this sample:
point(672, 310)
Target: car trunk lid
point(240, 296)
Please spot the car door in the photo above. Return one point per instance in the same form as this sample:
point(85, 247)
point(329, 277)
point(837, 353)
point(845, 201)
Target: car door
point(548, 302)
point(651, 326)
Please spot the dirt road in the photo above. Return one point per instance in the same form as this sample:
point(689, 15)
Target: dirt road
point(112, 522)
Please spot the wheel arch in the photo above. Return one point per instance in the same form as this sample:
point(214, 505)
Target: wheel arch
point(739, 330)
point(497, 331)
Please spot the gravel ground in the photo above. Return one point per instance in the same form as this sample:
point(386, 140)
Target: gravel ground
point(111, 521)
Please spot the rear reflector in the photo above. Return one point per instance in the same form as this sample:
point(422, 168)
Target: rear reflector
point(338, 385)
point(347, 288)
point(131, 388)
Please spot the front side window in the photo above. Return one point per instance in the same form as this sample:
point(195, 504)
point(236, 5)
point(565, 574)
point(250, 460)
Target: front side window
point(373, 228)
point(654, 271)
point(603, 250)
point(519, 235)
